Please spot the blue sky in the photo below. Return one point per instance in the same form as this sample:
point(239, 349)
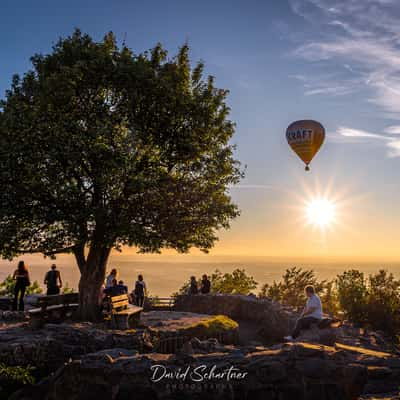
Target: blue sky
point(334, 61)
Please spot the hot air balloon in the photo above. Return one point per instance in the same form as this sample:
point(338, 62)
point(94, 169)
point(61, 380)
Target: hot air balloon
point(305, 137)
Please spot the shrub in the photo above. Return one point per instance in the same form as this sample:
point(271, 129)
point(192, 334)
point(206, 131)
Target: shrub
point(352, 292)
point(290, 290)
point(66, 289)
point(236, 282)
point(7, 287)
point(13, 377)
point(383, 311)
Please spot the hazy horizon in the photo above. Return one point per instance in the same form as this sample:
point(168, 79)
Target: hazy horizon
point(165, 274)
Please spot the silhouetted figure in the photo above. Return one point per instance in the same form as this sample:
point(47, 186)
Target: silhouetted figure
point(116, 289)
point(205, 285)
point(122, 287)
point(53, 281)
point(311, 314)
point(111, 276)
point(140, 291)
point(21, 275)
point(193, 289)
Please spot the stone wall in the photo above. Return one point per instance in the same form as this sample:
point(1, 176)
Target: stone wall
point(275, 321)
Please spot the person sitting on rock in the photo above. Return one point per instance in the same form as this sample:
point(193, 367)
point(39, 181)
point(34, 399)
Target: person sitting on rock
point(311, 314)
point(193, 288)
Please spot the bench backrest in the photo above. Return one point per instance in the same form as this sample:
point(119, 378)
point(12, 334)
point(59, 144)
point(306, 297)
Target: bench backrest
point(119, 302)
point(56, 299)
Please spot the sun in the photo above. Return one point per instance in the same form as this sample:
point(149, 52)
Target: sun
point(321, 212)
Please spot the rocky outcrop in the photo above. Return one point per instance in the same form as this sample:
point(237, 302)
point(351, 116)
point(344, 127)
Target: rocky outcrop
point(169, 330)
point(298, 371)
point(274, 320)
point(51, 346)
point(346, 333)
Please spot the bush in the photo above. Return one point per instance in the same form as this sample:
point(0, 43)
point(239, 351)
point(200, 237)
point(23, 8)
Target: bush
point(290, 290)
point(383, 311)
point(8, 285)
point(12, 378)
point(236, 282)
point(66, 289)
point(352, 295)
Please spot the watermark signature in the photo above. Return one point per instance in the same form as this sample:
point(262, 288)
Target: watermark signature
point(196, 374)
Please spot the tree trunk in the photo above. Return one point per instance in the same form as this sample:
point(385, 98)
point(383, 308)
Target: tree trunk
point(93, 272)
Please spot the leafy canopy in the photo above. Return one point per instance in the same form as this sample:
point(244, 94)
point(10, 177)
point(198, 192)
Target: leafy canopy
point(101, 145)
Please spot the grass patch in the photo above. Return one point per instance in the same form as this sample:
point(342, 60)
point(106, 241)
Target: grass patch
point(211, 326)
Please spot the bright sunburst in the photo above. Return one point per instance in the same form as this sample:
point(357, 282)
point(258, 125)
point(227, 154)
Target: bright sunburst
point(321, 212)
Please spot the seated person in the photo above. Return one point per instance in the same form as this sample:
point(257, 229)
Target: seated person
point(205, 285)
point(311, 314)
point(116, 289)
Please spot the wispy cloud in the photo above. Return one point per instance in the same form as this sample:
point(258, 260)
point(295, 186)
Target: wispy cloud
point(253, 186)
point(364, 36)
point(393, 130)
point(358, 133)
point(394, 148)
point(392, 144)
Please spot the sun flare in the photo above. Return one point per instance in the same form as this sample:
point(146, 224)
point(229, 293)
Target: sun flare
point(321, 212)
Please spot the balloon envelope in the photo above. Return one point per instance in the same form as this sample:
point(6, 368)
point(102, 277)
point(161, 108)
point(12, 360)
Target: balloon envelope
point(305, 137)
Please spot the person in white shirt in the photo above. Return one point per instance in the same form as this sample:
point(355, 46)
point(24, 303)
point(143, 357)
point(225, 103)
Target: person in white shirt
point(311, 314)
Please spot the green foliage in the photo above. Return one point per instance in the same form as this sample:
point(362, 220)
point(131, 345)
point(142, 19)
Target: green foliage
point(290, 290)
point(353, 295)
point(66, 289)
point(372, 302)
point(211, 326)
point(8, 285)
point(101, 147)
point(236, 282)
point(329, 298)
point(13, 377)
point(384, 302)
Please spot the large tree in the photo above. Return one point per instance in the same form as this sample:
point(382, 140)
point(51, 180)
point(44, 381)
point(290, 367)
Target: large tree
point(102, 148)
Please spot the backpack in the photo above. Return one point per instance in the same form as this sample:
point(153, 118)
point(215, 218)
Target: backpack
point(139, 289)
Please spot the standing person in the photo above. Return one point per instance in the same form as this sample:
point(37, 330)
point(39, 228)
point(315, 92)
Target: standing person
point(311, 314)
point(111, 276)
point(21, 276)
point(205, 285)
point(53, 281)
point(140, 291)
point(193, 289)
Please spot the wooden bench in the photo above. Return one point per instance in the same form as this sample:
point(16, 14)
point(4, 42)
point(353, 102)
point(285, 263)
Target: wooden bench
point(122, 314)
point(52, 308)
